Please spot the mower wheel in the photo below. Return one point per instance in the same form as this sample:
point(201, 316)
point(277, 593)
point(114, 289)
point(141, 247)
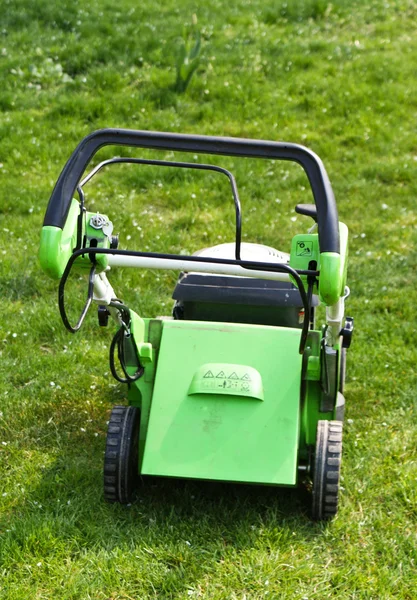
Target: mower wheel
point(121, 456)
point(326, 469)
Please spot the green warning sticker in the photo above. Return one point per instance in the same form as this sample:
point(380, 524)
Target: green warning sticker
point(304, 249)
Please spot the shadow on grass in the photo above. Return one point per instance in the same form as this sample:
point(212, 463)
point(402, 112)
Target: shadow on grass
point(194, 500)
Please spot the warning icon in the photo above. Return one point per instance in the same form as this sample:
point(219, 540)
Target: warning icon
point(246, 377)
point(220, 375)
point(208, 375)
point(233, 376)
point(304, 248)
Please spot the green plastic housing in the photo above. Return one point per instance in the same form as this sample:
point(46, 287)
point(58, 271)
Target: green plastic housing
point(305, 250)
point(57, 245)
point(225, 403)
point(244, 406)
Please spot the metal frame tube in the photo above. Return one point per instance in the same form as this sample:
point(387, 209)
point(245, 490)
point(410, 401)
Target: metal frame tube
point(144, 262)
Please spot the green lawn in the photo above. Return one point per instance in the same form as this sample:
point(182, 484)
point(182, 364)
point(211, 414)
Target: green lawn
point(338, 77)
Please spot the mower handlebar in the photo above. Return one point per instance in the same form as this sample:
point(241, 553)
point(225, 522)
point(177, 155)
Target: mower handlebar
point(327, 218)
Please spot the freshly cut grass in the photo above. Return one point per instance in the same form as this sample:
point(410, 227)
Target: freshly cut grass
point(338, 77)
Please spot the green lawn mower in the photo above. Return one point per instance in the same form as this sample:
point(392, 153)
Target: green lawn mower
point(239, 384)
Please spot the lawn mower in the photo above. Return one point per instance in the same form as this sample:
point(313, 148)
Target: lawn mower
point(239, 384)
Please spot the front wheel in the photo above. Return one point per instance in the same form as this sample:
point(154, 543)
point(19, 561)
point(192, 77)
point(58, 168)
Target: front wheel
point(121, 456)
point(326, 470)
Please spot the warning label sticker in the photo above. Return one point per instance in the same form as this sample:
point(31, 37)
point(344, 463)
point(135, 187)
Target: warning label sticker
point(227, 379)
point(304, 249)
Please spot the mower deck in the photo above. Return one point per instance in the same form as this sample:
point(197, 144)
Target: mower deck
point(226, 403)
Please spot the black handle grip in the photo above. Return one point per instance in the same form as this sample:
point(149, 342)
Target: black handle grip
point(70, 176)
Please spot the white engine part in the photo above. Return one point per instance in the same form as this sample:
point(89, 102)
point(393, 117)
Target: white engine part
point(248, 251)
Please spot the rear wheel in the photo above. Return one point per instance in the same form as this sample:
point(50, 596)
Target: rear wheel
point(121, 456)
point(326, 469)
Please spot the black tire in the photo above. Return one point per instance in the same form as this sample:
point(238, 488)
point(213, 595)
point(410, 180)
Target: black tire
point(326, 470)
point(121, 456)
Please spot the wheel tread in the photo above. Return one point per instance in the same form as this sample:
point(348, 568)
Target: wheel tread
point(122, 433)
point(328, 456)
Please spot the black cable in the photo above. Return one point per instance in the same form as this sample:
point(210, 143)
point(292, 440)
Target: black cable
point(310, 281)
point(325, 371)
point(113, 345)
point(118, 342)
point(306, 321)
